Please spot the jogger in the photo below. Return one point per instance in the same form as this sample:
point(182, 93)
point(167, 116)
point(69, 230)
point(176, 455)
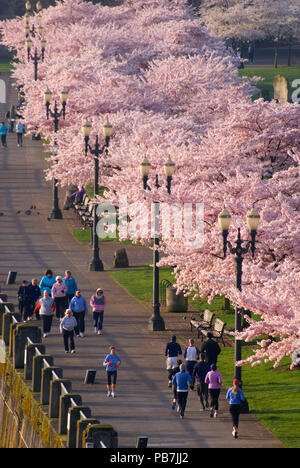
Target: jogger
point(112, 363)
point(235, 396)
point(214, 381)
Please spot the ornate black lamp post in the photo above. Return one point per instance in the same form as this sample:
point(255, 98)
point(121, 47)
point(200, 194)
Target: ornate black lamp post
point(27, 17)
point(156, 322)
point(55, 115)
point(224, 220)
point(96, 262)
point(36, 57)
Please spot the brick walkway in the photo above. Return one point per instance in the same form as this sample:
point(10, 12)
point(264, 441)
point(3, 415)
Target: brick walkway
point(29, 244)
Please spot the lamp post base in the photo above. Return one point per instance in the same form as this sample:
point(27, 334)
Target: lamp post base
point(156, 323)
point(244, 404)
point(56, 214)
point(96, 265)
point(245, 407)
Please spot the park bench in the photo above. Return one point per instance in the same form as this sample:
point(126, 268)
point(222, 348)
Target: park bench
point(217, 331)
point(204, 323)
point(81, 208)
point(88, 216)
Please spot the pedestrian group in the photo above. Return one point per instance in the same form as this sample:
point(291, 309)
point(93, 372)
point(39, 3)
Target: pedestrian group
point(61, 296)
point(200, 369)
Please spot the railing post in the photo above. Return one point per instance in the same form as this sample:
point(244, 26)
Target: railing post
point(82, 424)
point(101, 433)
point(47, 377)
point(55, 392)
point(20, 334)
point(38, 363)
point(6, 322)
point(30, 351)
point(74, 416)
point(4, 306)
point(64, 405)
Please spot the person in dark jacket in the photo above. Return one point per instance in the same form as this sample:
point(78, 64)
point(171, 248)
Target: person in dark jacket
point(33, 294)
point(199, 374)
point(22, 298)
point(211, 350)
point(173, 350)
point(173, 372)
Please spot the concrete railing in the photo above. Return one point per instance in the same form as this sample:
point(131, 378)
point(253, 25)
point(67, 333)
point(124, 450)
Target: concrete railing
point(26, 351)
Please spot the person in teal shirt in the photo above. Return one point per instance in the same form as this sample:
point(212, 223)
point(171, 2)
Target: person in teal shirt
point(47, 282)
point(71, 285)
point(3, 133)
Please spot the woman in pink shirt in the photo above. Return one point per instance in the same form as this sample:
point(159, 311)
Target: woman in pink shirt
point(214, 381)
point(98, 303)
point(58, 293)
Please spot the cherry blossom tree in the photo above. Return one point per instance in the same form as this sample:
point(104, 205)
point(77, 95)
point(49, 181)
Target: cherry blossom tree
point(170, 89)
point(244, 21)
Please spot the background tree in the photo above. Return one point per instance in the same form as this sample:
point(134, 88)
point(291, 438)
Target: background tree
point(171, 89)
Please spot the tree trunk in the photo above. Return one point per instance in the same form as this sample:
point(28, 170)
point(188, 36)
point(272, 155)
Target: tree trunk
point(290, 55)
point(276, 56)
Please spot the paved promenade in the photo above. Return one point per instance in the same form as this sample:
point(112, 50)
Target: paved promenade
point(29, 244)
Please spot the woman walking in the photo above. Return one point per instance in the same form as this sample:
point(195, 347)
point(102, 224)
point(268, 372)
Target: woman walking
point(235, 396)
point(34, 294)
point(79, 308)
point(47, 282)
point(46, 308)
point(23, 298)
point(112, 363)
point(58, 293)
point(66, 327)
point(98, 303)
point(71, 285)
point(214, 380)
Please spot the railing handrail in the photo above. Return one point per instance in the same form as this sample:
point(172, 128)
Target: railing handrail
point(55, 376)
point(6, 308)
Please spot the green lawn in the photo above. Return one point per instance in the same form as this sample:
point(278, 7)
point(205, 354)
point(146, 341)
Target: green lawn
point(5, 65)
point(273, 394)
point(290, 73)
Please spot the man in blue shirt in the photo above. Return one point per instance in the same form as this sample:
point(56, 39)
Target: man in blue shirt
point(172, 352)
point(79, 308)
point(182, 380)
point(3, 133)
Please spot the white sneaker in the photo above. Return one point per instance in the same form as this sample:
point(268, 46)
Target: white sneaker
point(73, 351)
point(215, 414)
point(113, 394)
point(109, 393)
point(82, 335)
point(99, 332)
